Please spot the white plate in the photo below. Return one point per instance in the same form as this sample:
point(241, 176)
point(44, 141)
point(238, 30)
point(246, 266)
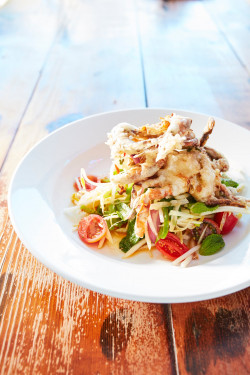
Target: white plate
point(42, 186)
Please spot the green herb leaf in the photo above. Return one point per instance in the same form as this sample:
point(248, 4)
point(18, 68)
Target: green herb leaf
point(131, 238)
point(122, 210)
point(164, 228)
point(105, 180)
point(89, 210)
point(129, 189)
point(99, 210)
point(109, 209)
point(212, 244)
point(199, 207)
point(229, 182)
point(115, 223)
point(128, 192)
point(107, 194)
point(116, 172)
point(166, 199)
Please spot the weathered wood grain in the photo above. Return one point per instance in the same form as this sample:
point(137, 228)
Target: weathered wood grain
point(93, 66)
point(213, 336)
point(24, 45)
point(49, 325)
point(90, 61)
point(233, 21)
point(188, 61)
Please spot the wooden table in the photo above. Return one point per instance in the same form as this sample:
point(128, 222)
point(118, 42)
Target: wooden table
point(62, 60)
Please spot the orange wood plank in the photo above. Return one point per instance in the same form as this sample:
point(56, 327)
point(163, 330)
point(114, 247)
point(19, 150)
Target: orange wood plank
point(212, 337)
point(48, 324)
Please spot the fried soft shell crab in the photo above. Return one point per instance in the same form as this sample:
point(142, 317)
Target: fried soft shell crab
point(166, 159)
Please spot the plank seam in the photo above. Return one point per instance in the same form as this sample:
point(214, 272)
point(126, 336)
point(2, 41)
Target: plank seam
point(141, 54)
point(224, 35)
point(7, 249)
point(9, 325)
point(32, 94)
point(171, 337)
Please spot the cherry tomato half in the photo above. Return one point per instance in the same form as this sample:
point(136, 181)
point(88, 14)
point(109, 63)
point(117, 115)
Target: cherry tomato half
point(171, 247)
point(88, 186)
point(92, 228)
point(230, 221)
point(211, 228)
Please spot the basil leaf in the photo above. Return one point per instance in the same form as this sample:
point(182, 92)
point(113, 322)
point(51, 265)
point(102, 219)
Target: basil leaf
point(131, 238)
point(229, 182)
point(122, 210)
point(212, 244)
point(164, 228)
point(199, 207)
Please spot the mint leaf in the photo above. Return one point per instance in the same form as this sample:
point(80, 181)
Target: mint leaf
point(212, 244)
point(229, 182)
point(199, 207)
point(164, 228)
point(131, 238)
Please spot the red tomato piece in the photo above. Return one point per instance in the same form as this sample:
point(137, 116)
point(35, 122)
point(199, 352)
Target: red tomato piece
point(92, 228)
point(211, 228)
point(171, 247)
point(88, 186)
point(229, 223)
point(75, 184)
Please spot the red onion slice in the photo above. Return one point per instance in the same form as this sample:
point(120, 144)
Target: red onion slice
point(136, 159)
point(156, 223)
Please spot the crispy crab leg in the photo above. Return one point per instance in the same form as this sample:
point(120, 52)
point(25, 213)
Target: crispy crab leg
point(219, 161)
point(207, 131)
point(226, 198)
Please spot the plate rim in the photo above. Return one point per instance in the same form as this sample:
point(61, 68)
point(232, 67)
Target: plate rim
point(77, 281)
